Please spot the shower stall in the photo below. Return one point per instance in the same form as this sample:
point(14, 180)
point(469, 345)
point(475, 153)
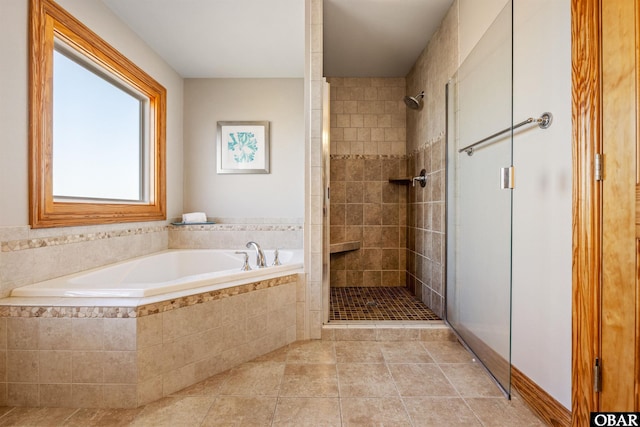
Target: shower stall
point(372, 195)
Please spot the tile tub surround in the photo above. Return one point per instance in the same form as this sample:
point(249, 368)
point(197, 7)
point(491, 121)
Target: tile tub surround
point(124, 357)
point(32, 255)
point(275, 233)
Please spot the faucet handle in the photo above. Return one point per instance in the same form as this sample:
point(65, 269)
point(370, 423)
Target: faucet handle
point(245, 266)
point(276, 259)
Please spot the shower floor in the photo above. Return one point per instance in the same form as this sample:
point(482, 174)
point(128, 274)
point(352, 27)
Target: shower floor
point(386, 303)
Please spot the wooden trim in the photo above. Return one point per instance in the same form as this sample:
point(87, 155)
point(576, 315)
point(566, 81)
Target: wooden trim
point(49, 20)
point(587, 214)
point(637, 211)
point(541, 402)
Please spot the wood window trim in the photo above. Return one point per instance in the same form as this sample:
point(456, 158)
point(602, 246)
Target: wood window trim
point(46, 21)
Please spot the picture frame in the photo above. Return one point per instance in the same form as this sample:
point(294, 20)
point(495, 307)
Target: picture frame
point(243, 147)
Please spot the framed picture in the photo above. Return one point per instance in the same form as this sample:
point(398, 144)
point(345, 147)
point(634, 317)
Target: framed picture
point(243, 147)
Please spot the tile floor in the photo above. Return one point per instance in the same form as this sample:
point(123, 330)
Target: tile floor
point(322, 383)
point(377, 303)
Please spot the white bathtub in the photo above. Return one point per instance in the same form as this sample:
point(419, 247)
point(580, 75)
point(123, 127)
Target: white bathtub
point(164, 272)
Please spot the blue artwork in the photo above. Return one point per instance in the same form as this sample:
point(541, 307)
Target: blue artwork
point(243, 145)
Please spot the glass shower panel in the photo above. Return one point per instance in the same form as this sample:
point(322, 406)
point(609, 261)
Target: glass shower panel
point(479, 104)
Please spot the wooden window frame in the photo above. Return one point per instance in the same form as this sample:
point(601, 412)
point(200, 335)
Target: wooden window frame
point(49, 21)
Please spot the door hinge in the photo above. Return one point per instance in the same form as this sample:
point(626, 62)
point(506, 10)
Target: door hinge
point(598, 167)
point(597, 376)
point(507, 178)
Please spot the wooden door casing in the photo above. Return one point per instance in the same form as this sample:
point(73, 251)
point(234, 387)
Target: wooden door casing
point(606, 321)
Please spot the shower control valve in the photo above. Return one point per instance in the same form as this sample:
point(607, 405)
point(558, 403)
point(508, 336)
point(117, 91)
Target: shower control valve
point(422, 179)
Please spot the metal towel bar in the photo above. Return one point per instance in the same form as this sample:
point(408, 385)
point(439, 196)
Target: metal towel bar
point(544, 121)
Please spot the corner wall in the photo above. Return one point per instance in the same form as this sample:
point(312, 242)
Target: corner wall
point(426, 149)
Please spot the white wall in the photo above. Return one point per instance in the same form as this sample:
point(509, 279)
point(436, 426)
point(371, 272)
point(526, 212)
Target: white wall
point(14, 19)
point(542, 233)
point(279, 194)
point(14, 190)
point(541, 299)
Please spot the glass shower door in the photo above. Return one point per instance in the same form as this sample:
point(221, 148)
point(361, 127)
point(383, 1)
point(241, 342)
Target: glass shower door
point(479, 104)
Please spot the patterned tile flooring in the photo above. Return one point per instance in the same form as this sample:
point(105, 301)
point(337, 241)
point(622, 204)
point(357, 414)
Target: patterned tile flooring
point(322, 383)
point(385, 303)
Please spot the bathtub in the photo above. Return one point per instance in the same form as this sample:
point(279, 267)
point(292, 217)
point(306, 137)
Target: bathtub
point(166, 272)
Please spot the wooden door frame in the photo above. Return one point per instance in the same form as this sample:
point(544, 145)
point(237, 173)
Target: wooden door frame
point(587, 103)
point(586, 54)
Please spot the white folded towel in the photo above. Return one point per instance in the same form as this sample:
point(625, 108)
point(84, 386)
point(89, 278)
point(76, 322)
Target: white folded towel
point(190, 218)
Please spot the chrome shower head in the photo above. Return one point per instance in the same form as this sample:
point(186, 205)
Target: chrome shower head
point(414, 102)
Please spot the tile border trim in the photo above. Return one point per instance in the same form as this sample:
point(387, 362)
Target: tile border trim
point(24, 244)
point(40, 311)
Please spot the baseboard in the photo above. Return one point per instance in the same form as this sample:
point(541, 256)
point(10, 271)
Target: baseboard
point(541, 402)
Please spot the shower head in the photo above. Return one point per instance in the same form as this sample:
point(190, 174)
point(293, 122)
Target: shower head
point(414, 102)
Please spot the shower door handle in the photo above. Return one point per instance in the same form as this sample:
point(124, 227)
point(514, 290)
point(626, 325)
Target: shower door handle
point(507, 178)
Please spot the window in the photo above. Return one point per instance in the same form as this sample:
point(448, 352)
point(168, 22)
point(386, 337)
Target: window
point(97, 128)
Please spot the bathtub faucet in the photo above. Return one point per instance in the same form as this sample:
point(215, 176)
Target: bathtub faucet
point(260, 259)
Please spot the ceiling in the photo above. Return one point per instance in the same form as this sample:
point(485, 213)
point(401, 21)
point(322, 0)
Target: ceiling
point(378, 38)
point(265, 38)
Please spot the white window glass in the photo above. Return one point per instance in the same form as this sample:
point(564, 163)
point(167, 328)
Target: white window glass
point(98, 132)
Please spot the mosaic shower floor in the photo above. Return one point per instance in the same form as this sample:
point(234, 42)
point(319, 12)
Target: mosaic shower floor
point(387, 303)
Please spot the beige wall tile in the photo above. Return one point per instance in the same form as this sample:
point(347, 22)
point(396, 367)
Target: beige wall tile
point(256, 327)
point(87, 334)
point(56, 395)
point(234, 334)
point(256, 302)
point(87, 366)
point(22, 334)
point(355, 334)
point(120, 396)
point(178, 379)
point(149, 330)
point(232, 310)
point(87, 396)
point(149, 390)
point(184, 321)
point(3, 366)
point(3, 333)
point(210, 343)
point(3, 394)
point(120, 334)
point(55, 366)
point(120, 367)
point(22, 366)
point(21, 394)
point(395, 334)
point(54, 334)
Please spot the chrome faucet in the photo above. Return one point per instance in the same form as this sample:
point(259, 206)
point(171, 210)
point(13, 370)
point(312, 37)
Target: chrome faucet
point(260, 259)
